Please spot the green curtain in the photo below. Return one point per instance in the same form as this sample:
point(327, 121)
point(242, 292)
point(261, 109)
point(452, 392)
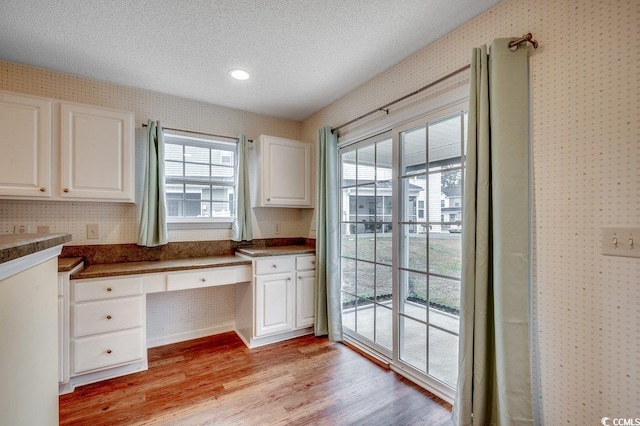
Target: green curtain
point(328, 305)
point(241, 229)
point(494, 375)
point(153, 218)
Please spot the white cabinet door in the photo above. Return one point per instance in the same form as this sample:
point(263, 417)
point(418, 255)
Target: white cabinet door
point(61, 343)
point(274, 304)
point(25, 144)
point(284, 179)
point(97, 153)
point(305, 298)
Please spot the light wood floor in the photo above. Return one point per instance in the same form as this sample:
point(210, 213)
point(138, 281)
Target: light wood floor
point(217, 380)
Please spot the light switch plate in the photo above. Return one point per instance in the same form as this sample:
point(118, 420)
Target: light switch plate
point(621, 241)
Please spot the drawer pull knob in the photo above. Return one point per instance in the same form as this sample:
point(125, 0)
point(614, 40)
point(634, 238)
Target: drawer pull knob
point(313, 262)
point(42, 189)
point(299, 277)
point(108, 288)
point(274, 265)
point(66, 190)
point(289, 279)
point(108, 316)
point(108, 351)
point(203, 280)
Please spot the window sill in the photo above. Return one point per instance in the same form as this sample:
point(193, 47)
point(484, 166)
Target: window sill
point(178, 224)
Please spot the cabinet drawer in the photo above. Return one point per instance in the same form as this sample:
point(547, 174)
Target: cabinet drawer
point(107, 350)
point(107, 315)
point(274, 265)
point(103, 289)
point(305, 262)
point(208, 277)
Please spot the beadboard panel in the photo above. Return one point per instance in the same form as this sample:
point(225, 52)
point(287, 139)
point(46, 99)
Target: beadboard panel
point(118, 222)
point(584, 135)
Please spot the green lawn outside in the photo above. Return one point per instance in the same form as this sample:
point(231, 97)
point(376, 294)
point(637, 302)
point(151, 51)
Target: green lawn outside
point(375, 281)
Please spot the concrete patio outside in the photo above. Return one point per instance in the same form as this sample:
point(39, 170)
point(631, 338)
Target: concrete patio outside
point(443, 347)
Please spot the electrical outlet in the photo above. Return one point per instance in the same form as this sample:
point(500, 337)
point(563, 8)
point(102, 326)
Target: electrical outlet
point(19, 229)
point(277, 228)
point(93, 231)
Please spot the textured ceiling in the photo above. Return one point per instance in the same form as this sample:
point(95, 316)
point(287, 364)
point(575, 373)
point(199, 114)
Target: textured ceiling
point(302, 54)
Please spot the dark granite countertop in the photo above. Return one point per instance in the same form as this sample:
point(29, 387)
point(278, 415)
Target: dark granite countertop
point(153, 266)
point(65, 264)
point(263, 251)
point(14, 246)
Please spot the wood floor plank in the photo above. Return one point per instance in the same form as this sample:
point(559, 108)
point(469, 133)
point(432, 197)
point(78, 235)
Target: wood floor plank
point(217, 380)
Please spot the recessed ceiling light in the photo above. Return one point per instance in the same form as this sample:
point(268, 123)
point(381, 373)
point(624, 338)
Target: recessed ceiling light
point(239, 74)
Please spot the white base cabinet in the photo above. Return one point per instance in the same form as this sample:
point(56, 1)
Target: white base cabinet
point(63, 328)
point(305, 298)
point(279, 304)
point(107, 329)
point(274, 303)
point(29, 352)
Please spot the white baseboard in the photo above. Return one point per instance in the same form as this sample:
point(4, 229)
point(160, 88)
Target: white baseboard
point(195, 334)
point(256, 342)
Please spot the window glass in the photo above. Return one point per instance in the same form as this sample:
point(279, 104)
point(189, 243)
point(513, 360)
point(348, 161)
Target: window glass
point(200, 178)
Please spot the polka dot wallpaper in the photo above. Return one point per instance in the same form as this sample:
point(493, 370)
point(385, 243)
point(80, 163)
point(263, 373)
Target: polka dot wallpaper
point(585, 142)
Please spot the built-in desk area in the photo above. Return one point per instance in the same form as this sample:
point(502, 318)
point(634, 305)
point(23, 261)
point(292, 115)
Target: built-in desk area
point(106, 304)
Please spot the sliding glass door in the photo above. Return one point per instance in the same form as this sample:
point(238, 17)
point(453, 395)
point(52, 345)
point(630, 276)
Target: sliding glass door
point(366, 250)
point(401, 249)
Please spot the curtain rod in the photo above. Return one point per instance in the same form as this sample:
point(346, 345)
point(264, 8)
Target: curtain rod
point(525, 38)
point(385, 106)
point(199, 133)
point(528, 37)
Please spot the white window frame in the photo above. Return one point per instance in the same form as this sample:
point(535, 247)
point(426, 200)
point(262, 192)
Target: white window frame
point(229, 144)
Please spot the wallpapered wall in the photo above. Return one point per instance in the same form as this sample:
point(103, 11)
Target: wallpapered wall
point(586, 154)
point(119, 222)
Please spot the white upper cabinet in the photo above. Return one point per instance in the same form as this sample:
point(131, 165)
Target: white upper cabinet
point(25, 146)
point(97, 150)
point(283, 174)
point(89, 156)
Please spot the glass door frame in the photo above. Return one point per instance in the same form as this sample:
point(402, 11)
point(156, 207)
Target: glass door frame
point(457, 102)
point(431, 383)
point(379, 350)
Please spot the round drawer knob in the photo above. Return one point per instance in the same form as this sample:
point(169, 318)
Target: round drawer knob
point(289, 279)
point(108, 316)
point(66, 190)
point(108, 288)
point(43, 189)
point(203, 280)
point(274, 266)
point(313, 262)
point(108, 351)
point(299, 278)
